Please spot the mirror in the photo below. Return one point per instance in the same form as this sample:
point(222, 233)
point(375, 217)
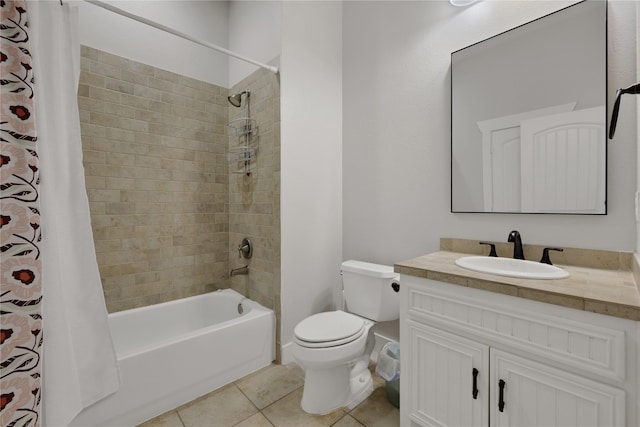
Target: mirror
point(528, 117)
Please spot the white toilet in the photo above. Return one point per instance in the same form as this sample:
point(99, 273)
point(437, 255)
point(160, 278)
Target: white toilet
point(334, 347)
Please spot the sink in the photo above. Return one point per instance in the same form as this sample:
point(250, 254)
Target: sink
point(511, 267)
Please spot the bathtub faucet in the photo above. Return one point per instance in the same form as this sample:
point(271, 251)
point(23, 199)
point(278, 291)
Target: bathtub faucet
point(241, 270)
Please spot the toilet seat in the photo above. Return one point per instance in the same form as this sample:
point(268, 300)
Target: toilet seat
point(329, 329)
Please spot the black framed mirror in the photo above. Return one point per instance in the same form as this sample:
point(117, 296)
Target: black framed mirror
point(528, 117)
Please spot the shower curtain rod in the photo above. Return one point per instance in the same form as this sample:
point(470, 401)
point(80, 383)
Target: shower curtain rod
point(180, 34)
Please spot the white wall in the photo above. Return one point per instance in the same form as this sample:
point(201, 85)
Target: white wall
point(254, 31)
point(397, 131)
point(205, 20)
point(250, 28)
point(311, 161)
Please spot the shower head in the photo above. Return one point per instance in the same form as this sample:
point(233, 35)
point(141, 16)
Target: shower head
point(236, 98)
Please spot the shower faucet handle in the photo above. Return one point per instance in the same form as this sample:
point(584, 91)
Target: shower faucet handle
point(241, 249)
point(245, 249)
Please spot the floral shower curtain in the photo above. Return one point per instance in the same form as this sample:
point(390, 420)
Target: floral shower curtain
point(20, 285)
point(64, 300)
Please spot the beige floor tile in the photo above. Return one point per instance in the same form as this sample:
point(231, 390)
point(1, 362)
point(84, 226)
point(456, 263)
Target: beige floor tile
point(287, 412)
point(225, 407)
point(170, 419)
point(376, 411)
point(270, 384)
point(232, 405)
point(257, 420)
point(347, 421)
point(295, 369)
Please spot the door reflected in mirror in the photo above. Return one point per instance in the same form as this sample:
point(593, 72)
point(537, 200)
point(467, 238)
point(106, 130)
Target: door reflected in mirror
point(528, 117)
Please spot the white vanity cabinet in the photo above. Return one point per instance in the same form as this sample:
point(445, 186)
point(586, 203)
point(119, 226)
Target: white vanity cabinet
point(477, 358)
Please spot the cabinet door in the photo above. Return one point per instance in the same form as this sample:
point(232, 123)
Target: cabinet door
point(449, 384)
point(526, 393)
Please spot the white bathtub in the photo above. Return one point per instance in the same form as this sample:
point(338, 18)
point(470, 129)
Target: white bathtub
point(173, 352)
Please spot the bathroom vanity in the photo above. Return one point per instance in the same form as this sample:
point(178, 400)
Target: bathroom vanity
point(486, 350)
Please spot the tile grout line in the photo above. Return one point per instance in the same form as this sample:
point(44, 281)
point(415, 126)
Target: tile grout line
point(254, 405)
point(179, 417)
point(271, 404)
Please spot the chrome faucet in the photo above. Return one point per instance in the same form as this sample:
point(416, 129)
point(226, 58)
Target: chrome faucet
point(514, 237)
point(245, 249)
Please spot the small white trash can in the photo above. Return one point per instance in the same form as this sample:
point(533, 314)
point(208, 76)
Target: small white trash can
point(388, 368)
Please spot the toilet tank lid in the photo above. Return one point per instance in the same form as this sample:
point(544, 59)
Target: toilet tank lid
point(369, 269)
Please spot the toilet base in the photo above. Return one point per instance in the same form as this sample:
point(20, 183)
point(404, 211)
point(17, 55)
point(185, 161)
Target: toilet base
point(361, 383)
point(326, 390)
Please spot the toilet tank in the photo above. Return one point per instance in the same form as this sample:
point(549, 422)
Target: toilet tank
point(369, 292)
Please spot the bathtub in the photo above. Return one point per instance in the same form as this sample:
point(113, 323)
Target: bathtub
point(174, 352)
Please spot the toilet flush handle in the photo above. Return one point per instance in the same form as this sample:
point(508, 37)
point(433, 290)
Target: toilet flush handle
point(395, 286)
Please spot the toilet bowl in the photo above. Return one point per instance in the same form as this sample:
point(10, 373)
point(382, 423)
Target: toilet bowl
point(335, 360)
point(334, 347)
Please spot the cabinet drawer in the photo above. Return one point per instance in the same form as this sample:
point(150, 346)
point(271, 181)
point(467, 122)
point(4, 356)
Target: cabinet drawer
point(521, 324)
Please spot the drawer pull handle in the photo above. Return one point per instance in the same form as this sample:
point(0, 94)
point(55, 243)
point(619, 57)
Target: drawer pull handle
point(475, 383)
point(501, 385)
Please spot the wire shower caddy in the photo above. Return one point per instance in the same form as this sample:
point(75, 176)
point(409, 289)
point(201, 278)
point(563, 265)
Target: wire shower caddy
point(243, 128)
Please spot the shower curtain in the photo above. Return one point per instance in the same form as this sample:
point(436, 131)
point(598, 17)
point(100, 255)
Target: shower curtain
point(20, 264)
point(80, 365)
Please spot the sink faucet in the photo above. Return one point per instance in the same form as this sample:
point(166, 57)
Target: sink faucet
point(514, 237)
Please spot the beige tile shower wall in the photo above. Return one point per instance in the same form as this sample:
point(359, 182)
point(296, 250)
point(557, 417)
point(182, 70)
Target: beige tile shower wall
point(154, 147)
point(254, 200)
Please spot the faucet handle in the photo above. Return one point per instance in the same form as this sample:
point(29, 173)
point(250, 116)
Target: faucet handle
point(245, 249)
point(492, 252)
point(545, 255)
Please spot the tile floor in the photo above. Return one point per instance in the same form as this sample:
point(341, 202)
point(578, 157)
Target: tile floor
point(271, 397)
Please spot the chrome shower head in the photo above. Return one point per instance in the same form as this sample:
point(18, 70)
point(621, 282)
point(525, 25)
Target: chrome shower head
point(236, 98)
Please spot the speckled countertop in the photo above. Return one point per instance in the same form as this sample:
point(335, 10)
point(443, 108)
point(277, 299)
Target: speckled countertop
point(602, 282)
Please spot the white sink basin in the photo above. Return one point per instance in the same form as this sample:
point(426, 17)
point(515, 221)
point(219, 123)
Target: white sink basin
point(511, 267)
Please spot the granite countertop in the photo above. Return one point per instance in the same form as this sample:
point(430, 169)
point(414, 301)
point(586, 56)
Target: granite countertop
point(610, 288)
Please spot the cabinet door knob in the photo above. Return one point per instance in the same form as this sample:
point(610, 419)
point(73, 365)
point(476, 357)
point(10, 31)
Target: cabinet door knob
point(501, 385)
point(474, 391)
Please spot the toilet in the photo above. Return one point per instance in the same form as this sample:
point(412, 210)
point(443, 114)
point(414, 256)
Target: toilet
point(334, 347)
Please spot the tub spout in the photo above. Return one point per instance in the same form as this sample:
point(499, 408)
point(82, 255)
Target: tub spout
point(240, 270)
